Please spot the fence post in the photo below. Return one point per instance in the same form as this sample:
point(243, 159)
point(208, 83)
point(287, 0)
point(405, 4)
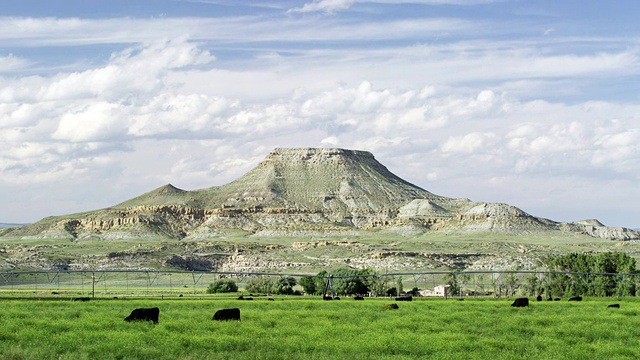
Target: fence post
point(587, 276)
point(475, 285)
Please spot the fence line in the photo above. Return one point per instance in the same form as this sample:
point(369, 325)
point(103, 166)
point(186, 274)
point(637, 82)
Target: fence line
point(178, 282)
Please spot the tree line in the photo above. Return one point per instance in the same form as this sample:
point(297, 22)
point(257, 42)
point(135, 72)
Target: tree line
point(344, 281)
point(601, 274)
point(604, 274)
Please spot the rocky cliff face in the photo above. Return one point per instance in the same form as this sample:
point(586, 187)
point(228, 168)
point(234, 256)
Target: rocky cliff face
point(305, 191)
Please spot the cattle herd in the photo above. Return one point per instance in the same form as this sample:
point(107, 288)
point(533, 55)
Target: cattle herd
point(152, 314)
point(522, 302)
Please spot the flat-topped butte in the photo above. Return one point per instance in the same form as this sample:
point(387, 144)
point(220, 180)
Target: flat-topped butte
point(305, 190)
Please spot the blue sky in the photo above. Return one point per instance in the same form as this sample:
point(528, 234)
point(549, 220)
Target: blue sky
point(532, 103)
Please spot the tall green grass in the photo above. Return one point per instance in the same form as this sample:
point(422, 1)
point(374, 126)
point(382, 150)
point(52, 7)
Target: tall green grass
point(314, 329)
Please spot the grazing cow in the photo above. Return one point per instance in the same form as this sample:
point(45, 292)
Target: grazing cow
point(327, 298)
point(390, 307)
point(358, 298)
point(81, 299)
point(521, 302)
point(240, 297)
point(549, 299)
point(576, 298)
point(404, 298)
point(144, 314)
point(270, 299)
point(617, 306)
point(227, 314)
point(557, 299)
point(248, 298)
point(539, 298)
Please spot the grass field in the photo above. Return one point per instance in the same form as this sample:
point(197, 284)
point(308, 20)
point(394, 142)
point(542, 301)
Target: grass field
point(315, 329)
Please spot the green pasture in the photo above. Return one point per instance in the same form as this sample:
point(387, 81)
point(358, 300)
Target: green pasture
point(315, 329)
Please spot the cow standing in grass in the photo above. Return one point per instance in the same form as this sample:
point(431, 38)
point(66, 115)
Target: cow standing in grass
point(520, 302)
point(150, 314)
point(227, 314)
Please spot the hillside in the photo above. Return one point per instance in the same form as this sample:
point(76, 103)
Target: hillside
point(304, 210)
point(318, 179)
point(306, 190)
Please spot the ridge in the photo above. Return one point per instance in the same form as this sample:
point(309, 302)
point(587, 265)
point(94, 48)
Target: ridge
point(317, 190)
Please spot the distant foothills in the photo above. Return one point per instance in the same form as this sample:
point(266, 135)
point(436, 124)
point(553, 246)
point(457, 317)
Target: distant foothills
point(302, 191)
point(8, 225)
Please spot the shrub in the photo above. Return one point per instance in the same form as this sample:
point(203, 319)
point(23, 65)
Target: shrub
point(260, 285)
point(283, 286)
point(222, 286)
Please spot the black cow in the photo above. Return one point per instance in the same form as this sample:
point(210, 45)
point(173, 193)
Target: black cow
point(576, 298)
point(81, 299)
point(539, 298)
point(617, 306)
point(144, 314)
point(520, 302)
point(405, 298)
point(358, 298)
point(227, 314)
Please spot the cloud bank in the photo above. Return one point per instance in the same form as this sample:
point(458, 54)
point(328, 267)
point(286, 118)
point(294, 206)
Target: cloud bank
point(489, 120)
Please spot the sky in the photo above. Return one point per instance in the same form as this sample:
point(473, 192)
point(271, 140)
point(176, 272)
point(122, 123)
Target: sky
point(531, 103)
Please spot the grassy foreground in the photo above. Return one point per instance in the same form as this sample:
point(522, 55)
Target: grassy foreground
point(313, 329)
